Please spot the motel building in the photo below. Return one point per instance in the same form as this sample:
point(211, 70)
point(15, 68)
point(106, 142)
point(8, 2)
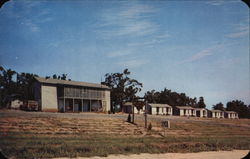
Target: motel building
point(216, 114)
point(231, 115)
point(127, 107)
point(71, 96)
point(184, 111)
point(160, 109)
point(201, 112)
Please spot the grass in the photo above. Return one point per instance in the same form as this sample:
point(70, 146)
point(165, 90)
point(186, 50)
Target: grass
point(85, 146)
point(22, 136)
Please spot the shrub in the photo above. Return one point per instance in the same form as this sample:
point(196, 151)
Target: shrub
point(150, 126)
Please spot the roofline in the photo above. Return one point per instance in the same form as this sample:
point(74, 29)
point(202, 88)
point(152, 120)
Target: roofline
point(81, 84)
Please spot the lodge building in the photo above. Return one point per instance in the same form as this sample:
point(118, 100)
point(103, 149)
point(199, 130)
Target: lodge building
point(70, 96)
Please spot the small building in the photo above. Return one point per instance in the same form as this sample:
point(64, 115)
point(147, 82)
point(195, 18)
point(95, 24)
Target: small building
point(215, 114)
point(231, 115)
point(201, 112)
point(159, 109)
point(127, 108)
point(15, 104)
point(184, 111)
point(70, 96)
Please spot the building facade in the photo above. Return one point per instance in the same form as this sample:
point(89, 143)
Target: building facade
point(184, 111)
point(127, 107)
point(70, 96)
point(201, 112)
point(159, 109)
point(231, 115)
point(215, 114)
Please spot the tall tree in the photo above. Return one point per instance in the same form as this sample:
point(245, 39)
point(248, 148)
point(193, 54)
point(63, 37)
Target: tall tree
point(239, 107)
point(122, 87)
point(24, 85)
point(7, 85)
point(201, 103)
point(168, 97)
point(219, 106)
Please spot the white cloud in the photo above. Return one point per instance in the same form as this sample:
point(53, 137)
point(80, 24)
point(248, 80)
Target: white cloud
point(27, 14)
point(238, 34)
point(31, 25)
point(132, 63)
point(119, 53)
point(241, 29)
point(129, 20)
point(220, 2)
point(151, 41)
point(202, 54)
point(215, 3)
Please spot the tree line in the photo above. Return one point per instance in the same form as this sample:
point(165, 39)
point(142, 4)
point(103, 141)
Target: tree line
point(123, 89)
point(18, 85)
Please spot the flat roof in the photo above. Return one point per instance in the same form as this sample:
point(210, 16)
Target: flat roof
point(185, 107)
point(200, 108)
point(71, 83)
point(154, 105)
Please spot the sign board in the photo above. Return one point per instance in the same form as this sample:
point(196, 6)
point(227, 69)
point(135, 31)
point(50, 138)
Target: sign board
point(165, 124)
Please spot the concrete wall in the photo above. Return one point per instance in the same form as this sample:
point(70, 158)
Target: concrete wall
point(106, 100)
point(49, 98)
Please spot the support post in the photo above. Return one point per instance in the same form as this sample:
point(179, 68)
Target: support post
point(90, 105)
point(63, 99)
point(146, 109)
point(133, 113)
point(73, 105)
point(82, 104)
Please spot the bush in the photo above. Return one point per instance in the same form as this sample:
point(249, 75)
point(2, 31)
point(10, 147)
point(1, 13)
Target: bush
point(150, 126)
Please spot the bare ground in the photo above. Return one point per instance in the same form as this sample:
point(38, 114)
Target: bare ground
point(235, 154)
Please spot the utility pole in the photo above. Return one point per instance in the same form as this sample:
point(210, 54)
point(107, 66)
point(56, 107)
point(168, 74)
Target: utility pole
point(133, 112)
point(145, 114)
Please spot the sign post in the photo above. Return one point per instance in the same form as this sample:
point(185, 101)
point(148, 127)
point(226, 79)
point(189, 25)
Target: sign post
point(165, 125)
point(146, 110)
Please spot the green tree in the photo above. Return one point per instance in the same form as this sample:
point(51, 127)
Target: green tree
point(201, 103)
point(24, 83)
point(122, 87)
point(168, 97)
point(239, 107)
point(7, 85)
point(219, 106)
point(60, 77)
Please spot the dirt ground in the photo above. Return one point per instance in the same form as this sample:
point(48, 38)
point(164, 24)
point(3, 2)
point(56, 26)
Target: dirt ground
point(47, 135)
point(236, 154)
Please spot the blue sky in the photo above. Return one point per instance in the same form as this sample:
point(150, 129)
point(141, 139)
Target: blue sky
point(200, 48)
